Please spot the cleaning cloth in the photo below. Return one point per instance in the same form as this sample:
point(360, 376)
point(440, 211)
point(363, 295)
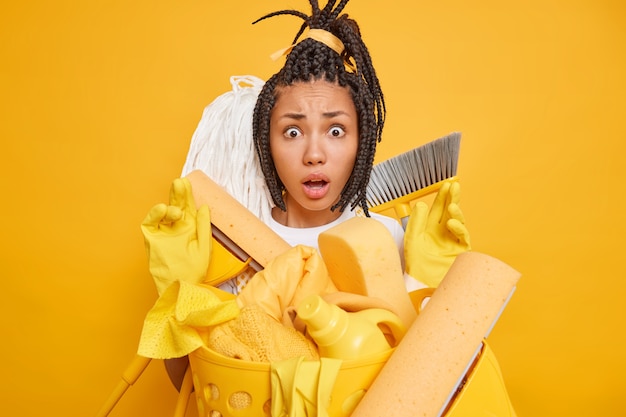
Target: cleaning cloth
point(302, 388)
point(255, 336)
point(174, 326)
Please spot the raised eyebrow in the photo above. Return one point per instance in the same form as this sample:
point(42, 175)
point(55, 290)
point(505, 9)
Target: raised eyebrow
point(336, 113)
point(294, 116)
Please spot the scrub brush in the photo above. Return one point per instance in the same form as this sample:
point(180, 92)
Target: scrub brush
point(398, 181)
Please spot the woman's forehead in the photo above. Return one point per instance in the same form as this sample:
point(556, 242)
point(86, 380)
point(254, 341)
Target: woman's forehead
point(304, 94)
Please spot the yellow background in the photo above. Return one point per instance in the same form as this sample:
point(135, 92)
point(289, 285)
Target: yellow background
point(99, 102)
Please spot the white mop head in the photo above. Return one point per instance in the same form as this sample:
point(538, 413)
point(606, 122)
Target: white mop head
point(223, 149)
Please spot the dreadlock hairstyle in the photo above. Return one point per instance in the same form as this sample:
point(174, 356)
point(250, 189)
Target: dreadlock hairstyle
point(310, 59)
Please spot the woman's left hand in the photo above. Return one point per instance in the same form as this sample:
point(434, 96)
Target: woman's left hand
point(434, 238)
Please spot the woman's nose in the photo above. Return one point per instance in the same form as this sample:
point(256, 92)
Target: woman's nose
point(314, 153)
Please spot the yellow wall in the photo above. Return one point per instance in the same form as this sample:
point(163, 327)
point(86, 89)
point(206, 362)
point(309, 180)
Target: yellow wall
point(99, 101)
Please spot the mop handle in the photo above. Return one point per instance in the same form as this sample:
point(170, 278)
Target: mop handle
point(130, 375)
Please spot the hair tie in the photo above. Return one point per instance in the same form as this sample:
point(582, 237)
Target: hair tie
point(327, 39)
point(324, 37)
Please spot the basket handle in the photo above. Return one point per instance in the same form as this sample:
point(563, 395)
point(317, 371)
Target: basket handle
point(183, 395)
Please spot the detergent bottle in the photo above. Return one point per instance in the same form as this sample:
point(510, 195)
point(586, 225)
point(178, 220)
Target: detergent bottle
point(349, 335)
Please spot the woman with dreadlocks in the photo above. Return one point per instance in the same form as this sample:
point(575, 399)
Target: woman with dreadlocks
point(316, 125)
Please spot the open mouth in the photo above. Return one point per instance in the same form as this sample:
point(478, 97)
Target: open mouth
point(315, 184)
point(315, 188)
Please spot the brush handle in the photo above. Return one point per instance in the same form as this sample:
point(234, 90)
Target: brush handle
point(403, 211)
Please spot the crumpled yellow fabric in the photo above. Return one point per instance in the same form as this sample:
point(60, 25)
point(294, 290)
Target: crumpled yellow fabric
point(302, 388)
point(174, 326)
point(255, 336)
point(286, 281)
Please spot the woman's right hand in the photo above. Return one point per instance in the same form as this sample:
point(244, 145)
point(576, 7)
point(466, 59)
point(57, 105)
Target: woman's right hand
point(178, 238)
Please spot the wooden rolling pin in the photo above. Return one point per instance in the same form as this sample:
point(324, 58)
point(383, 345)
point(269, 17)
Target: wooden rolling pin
point(237, 228)
point(422, 374)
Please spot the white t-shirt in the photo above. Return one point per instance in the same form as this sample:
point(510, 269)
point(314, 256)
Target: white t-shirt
point(308, 236)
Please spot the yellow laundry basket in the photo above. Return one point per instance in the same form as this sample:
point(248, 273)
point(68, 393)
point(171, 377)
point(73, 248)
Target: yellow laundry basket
point(227, 387)
point(231, 387)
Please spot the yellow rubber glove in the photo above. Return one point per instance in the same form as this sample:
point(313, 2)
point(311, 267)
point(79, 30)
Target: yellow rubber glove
point(434, 238)
point(303, 388)
point(178, 238)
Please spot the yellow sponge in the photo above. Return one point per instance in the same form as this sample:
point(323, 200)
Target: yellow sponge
point(362, 258)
